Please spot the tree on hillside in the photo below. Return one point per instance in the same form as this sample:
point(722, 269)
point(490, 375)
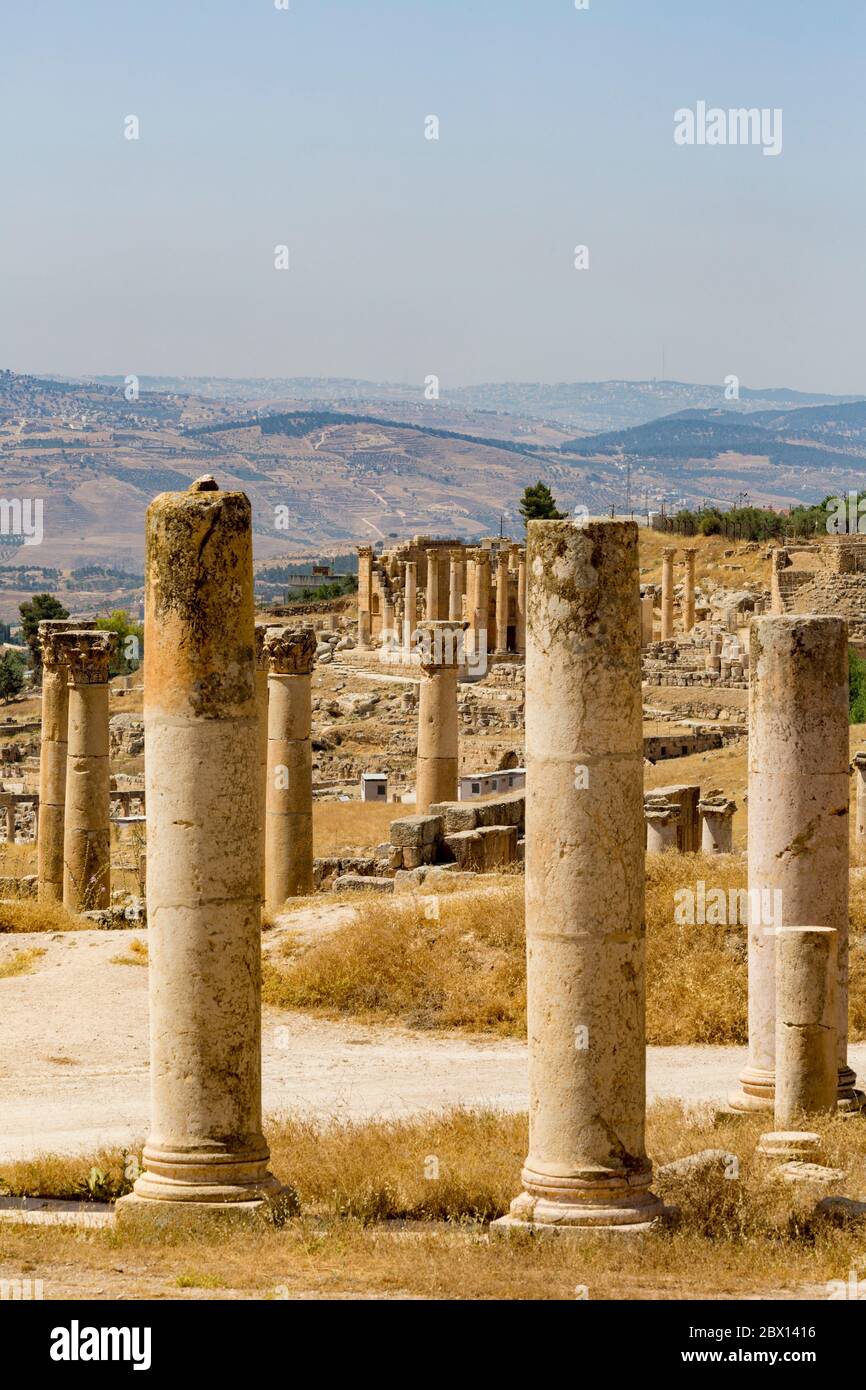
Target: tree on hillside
point(130, 639)
point(11, 676)
point(537, 504)
point(33, 612)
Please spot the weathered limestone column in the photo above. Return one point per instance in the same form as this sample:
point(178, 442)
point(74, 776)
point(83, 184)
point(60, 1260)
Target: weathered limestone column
point(689, 590)
point(410, 611)
point(717, 828)
point(262, 738)
point(455, 587)
point(291, 653)
point(521, 602)
point(662, 821)
point(647, 605)
point(432, 610)
point(806, 1012)
point(10, 821)
point(587, 1164)
point(798, 820)
point(667, 631)
point(52, 757)
point(858, 767)
point(87, 830)
point(502, 601)
point(365, 594)
point(481, 611)
point(206, 1155)
point(436, 778)
point(388, 618)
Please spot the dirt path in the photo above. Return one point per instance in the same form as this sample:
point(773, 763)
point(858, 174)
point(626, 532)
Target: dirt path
point(73, 1056)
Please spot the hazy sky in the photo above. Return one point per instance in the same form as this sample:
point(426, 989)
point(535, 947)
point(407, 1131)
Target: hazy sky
point(261, 127)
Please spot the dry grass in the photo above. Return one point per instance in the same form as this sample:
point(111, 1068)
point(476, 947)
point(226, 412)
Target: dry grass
point(26, 914)
point(463, 969)
point(361, 1183)
point(137, 954)
point(348, 825)
point(466, 969)
point(19, 963)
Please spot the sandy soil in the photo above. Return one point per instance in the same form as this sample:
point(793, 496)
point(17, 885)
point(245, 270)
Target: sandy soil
point(74, 1055)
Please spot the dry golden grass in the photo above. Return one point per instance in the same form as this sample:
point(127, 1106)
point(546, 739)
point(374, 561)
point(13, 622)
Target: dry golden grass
point(736, 1236)
point(463, 969)
point(348, 825)
point(26, 914)
point(466, 969)
point(137, 954)
point(746, 564)
point(19, 963)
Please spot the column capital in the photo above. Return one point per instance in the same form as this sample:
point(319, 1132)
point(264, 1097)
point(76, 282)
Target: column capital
point(719, 806)
point(858, 762)
point(86, 654)
point(290, 651)
point(440, 643)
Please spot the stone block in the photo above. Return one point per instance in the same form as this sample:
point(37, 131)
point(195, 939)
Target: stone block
point(357, 883)
point(416, 831)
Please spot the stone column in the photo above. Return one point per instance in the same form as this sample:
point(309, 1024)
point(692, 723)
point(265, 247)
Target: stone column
point(480, 616)
point(10, 821)
point(662, 823)
point(388, 618)
point(87, 831)
point(667, 593)
point(587, 1164)
point(455, 587)
point(410, 612)
point(689, 590)
point(806, 1013)
point(206, 1156)
point(717, 830)
point(798, 821)
point(365, 594)
point(502, 601)
point(647, 605)
point(858, 767)
point(432, 611)
point(289, 839)
point(436, 778)
point(262, 738)
point(52, 757)
point(521, 602)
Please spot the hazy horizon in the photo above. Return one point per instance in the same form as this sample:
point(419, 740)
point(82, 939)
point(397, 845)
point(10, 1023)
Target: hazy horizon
point(408, 256)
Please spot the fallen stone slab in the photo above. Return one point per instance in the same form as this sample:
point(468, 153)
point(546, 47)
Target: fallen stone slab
point(357, 883)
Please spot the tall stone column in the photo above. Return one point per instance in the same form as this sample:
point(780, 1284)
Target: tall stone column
point(206, 1155)
point(502, 601)
point(291, 653)
point(521, 602)
point(410, 612)
point(647, 605)
point(858, 767)
point(10, 821)
point(455, 587)
point(436, 778)
point(667, 593)
point(587, 1163)
point(365, 594)
point(798, 820)
point(87, 830)
point(717, 825)
point(52, 754)
point(690, 556)
point(389, 619)
point(431, 603)
point(262, 738)
point(480, 617)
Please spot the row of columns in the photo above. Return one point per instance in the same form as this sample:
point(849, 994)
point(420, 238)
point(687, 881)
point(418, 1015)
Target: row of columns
point(587, 1164)
point(74, 830)
point(688, 602)
point(663, 820)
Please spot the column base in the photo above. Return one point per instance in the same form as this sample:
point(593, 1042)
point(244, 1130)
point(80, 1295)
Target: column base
point(634, 1214)
point(155, 1214)
point(757, 1093)
point(788, 1144)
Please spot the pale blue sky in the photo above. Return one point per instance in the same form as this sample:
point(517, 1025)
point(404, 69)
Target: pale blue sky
point(410, 256)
